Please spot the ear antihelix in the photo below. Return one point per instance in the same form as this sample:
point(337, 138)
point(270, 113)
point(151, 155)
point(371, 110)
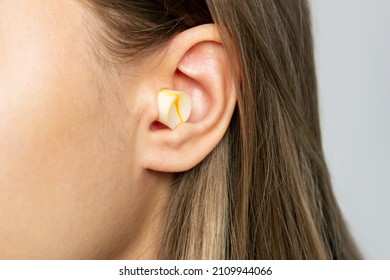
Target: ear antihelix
point(174, 107)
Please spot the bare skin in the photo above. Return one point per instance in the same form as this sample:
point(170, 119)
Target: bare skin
point(81, 175)
point(67, 176)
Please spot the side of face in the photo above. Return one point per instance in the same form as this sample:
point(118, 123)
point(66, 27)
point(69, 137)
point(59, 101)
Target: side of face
point(67, 169)
point(85, 172)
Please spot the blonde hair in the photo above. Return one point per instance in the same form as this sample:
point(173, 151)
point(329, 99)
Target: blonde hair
point(264, 192)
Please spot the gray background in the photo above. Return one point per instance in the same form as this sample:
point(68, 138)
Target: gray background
point(352, 40)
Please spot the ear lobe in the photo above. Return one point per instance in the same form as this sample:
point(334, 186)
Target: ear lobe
point(203, 72)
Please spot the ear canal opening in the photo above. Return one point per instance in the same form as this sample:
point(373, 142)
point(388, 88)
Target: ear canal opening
point(156, 125)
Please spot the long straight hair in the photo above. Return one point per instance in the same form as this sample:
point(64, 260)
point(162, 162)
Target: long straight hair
point(264, 192)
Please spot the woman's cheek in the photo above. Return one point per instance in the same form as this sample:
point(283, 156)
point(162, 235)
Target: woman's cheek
point(48, 133)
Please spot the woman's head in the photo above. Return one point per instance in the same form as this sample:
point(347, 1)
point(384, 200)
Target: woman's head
point(88, 172)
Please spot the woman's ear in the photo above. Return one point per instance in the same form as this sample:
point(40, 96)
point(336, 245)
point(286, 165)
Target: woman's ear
point(195, 62)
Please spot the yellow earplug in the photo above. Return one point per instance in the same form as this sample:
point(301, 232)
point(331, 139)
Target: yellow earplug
point(174, 107)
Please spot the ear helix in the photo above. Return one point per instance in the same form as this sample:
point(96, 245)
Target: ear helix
point(174, 107)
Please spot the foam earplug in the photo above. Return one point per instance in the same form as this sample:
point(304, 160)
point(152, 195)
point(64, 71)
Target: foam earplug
point(174, 107)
